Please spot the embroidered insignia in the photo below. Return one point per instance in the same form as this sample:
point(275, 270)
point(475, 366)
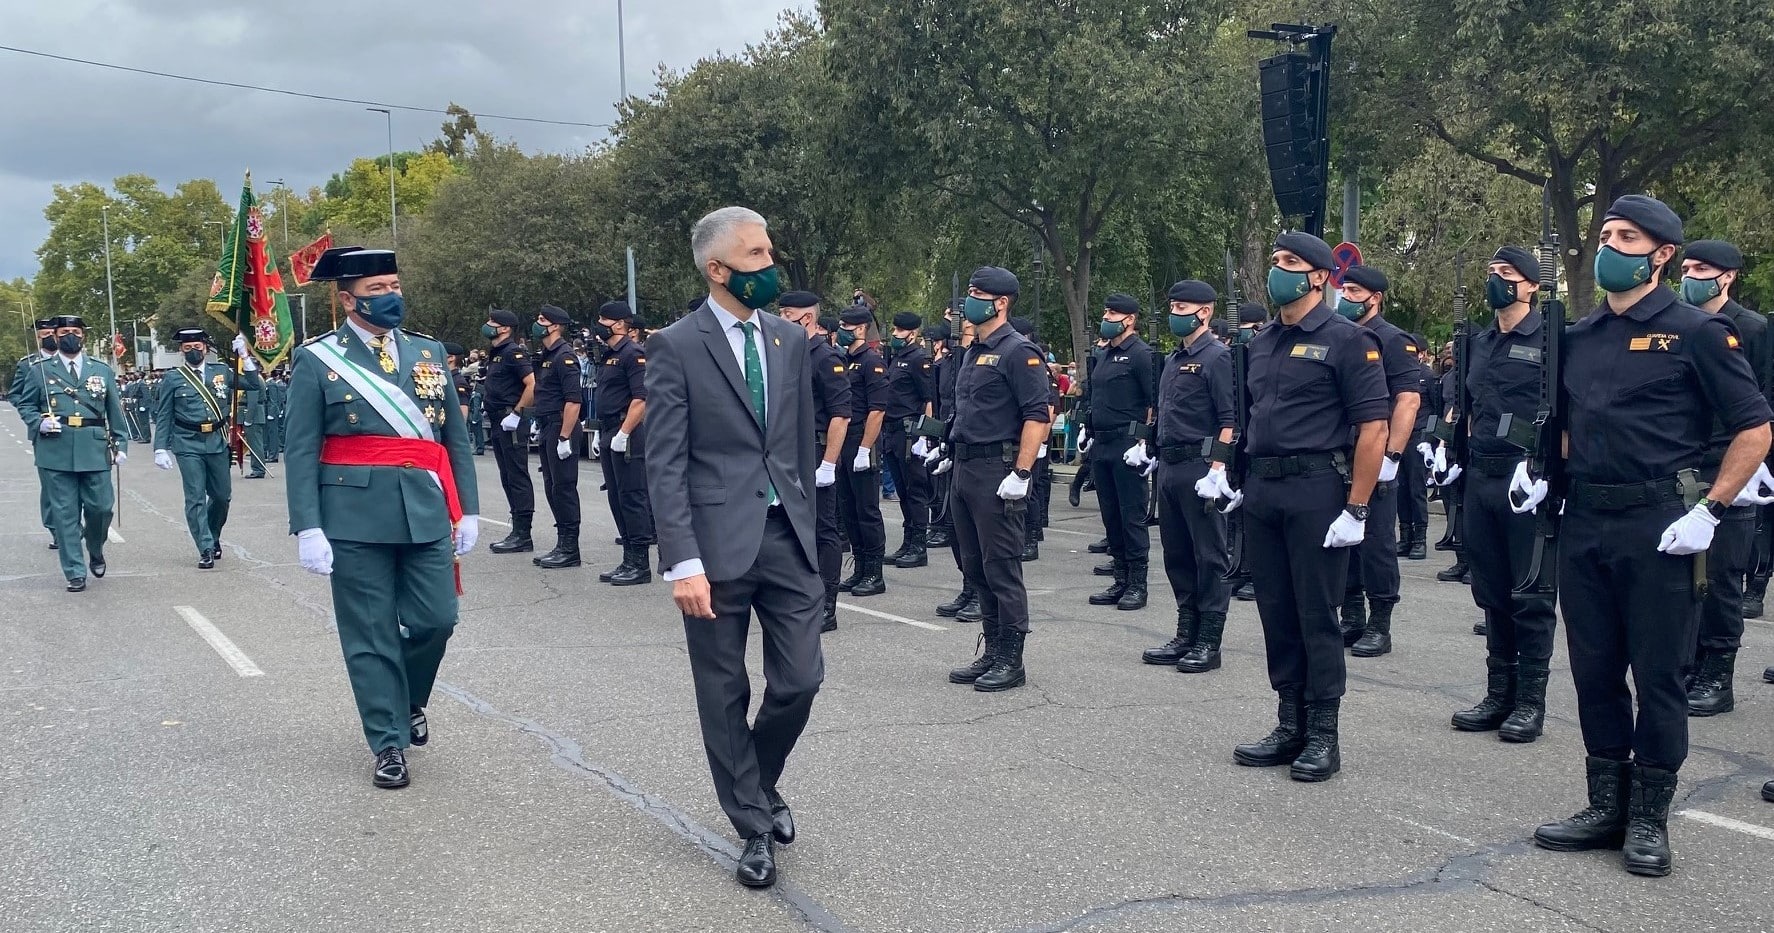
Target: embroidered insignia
point(1032, 361)
point(1313, 351)
point(1530, 354)
point(838, 369)
point(1731, 341)
point(986, 359)
point(351, 417)
point(425, 353)
point(95, 385)
point(1373, 356)
point(1411, 347)
point(879, 370)
point(1660, 343)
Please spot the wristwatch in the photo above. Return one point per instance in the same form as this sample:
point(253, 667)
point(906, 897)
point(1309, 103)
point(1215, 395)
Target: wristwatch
point(1716, 509)
point(1357, 512)
point(1395, 457)
point(1022, 474)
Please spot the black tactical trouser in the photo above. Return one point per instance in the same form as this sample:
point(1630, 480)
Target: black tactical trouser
point(1727, 562)
point(989, 540)
point(560, 479)
point(1193, 534)
point(1413, 495)
point(859, 502)
point(1299, 581)
point(1121, 498)
point(1040, 497)
point(625, 487)
point(1500, 550)
point(826, 542)
point(909, 477)
point(511, 450)
point(1374, 569)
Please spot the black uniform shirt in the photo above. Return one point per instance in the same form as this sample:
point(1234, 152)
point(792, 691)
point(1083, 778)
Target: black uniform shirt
point(947, 369)
point(1195, 393)
point(868, 386)
point(1311, 383)
point(1503, 376)
point(557, 380)
point(462, 388)
point(1448, 400)
point(1752, 330)
point(1121, 386)
point(1430, 390)
point(911, 383)
point(622, 379)
point(831, 383)
point(507, 366)
point(1644, 388)
point(1398, 354)
point(1001, 386)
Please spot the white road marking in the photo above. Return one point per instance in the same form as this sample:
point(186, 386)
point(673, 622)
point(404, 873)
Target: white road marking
point(114, 536)
point(231, 653)
point(892, 618)
point(1725, 822)
point(1430, 829)
point(494, 521)
point(1063, 531)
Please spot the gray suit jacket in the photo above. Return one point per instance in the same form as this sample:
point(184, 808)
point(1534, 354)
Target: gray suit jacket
point(709, 464)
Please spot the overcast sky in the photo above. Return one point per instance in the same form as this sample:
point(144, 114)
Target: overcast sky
point(62, 123)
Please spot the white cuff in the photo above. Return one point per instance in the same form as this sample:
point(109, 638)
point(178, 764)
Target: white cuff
point(684, 569)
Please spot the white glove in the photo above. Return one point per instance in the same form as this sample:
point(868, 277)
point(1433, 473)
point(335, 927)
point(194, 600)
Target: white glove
point(1388, 469)
point(509, 422)
point(1453, 473)
point(1214, 485)
point(1232, 504)
point(1345, 531)
point(826, 476)
point(163, 459)
point(943, 466)
point(563, 449)
point(49, 425)
point(1427, 452)
point(936, 453)
point(1759, 490)
point(535, 432)
point(314, 551)
point(1524, 487)
point(1136, 456)
point(467, 533)
point(1041, 454)
point(619, 442)
point(861, 463)
point(921, 448)
point(1690, 534)
point(1440, 463)
point(1013, 488)
point(597, 440)
point(120, 459)
point(1084, 440)
point(239, 345)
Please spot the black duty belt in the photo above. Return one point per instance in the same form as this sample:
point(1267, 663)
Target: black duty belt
point(1001, 449)
point(202, 427)
point(1293, 465)
point(592, 424)
point(1619, 497)
point(83, 421)
point(1494, 466)
point(1180, 453)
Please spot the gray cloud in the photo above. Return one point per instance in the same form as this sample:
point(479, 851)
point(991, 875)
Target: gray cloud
point(63, 123)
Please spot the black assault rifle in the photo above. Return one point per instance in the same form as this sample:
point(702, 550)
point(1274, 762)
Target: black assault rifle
point(1455, 434)
point(1544, 438)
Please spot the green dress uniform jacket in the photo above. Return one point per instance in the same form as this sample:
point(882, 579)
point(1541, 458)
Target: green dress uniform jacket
point(191, 422)
point(276, 401)
point(76, 462)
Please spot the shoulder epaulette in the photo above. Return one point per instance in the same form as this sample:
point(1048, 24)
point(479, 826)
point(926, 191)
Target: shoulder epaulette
point(414, 333)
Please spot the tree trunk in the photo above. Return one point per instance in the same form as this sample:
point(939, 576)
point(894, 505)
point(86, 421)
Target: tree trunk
point(1575, 244)
point(1074, 287)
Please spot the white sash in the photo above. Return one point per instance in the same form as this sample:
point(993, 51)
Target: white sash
point(395, 407)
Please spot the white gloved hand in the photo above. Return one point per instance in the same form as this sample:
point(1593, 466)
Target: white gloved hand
point(1041, 454)
point(1345, 531)
point(861, 463)
point(1758, 491)
point(943, 466)
point(1440, 463)
point(467, 533)
point(936, 453)
point(1136, 456)
point(921, 448)
point(1690, 534)
point(826, 476)
point(49, 425)
point(163, 459)
point(510, 422)
point(1453, 473)
point(239, 345)
point(597, 440)
point(1233, 503)
point(120, 458)
point(1388, 469)
point(1523, 487)
point(1427, 452)
point(1013, 488)
point(619, 442)
point(314, 551)
point(563, 449)
point(535, 432)
point(1084, 440)
point(1214, 485)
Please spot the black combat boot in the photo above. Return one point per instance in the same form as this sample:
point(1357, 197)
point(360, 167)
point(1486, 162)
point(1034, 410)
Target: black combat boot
point(1499, 698)
point(518, 542)
point(1481, 627)
point(552, 552)
point(949, 609)
point(1113, 594)
point(1529, 719)
point(1246, 592)
point(1099, 546)
point(1456, 573)
point(1711, 693)
point(831, 610)
point(1646, 848)
point(1419, 546)
point(1376, 640)
point(1754, 592)
point(1172, 651)
point(1353, 620)
point(1031, 548)
point(1204, 655)
point(565, 553)
point(1134, 597)
point(872, 583)
point(640, 567)
point(623, 568)
point(1321, 757)
point(1283, 743)
point(1104, 570)
point(988, 652)
point(905, 547)
point(972, 612)
point(1007, 667)
point(939, 537)
point(913, 553)
point(1602, 824)
point(858, 570)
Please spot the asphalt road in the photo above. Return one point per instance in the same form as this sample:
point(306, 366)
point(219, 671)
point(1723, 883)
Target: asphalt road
point(148, 784)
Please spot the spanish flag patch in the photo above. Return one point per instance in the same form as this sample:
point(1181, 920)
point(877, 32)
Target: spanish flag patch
point(1731, 341)
point(1373, 356)
point(1032, 361)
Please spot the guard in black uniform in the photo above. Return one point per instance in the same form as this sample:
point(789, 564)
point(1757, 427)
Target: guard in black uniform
point(1123, 390)
point(1315, 383)
point(1375, 569)
point(1452, 489)
point(1504, 378)
point(831, 412)
point(911, 394)
point(1195, 398)
point(1647, 375)
point(1413, 494)
point(558, 398)
point(1041, 494)
point(965, 606)
point(1709, 269)
point(859, 474)
point(510, 386)
point(622, 424)
point(936, 337)
point(1000, 421)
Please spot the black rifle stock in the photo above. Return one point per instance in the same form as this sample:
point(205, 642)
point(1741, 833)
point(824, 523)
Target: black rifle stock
point(1544, 438)
point(1231, 454)
point(1455, 435)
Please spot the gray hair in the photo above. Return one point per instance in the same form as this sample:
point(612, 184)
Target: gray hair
point(717, 228)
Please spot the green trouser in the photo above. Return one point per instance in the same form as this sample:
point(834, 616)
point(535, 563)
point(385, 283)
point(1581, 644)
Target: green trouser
point(74, 499)
point(377, 590)
point(255, 448)
point(43, 500)
point(208, 490)
point(274, 438)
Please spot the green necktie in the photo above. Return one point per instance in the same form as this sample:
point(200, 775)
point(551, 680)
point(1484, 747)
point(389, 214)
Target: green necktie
point(754, 380)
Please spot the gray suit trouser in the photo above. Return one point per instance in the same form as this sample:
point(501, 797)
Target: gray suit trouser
point(746, 759)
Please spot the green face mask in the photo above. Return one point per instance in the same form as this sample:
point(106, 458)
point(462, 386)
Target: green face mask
point(537, 330)
point(1111, 329)
point(1287, 287)
point(1183, 325)
point(489, 331)
point(845, 338)
point(978, 310)
point(1621, 272)
point(897, 343)
point(754, 289)
point(1700, 291)
point(1353, 310)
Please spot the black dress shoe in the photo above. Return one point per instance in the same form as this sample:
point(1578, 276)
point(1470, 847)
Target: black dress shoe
point(419, 727)
point(391, 769)
point(1100, 546)
point(1246, 592)
point(782, 821)
point(258, 475)
point(77, 585)
point(215, 553)
point(204, 562)
point(757, 864)
point(97, 566)
point(53, 545)
point(1768, 791)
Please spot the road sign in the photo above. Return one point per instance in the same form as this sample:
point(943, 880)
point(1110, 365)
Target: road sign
point(1347, 254)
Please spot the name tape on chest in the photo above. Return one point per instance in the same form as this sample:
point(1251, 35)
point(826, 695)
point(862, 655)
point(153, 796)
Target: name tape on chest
point(1529, 354)
point(1189, 368)
point(1313, 351)
point(986, 359)
point(1655, 343)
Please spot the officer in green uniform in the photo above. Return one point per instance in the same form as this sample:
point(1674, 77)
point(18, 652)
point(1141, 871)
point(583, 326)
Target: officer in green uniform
point(276, 400)
point(378, 468)
point(252, 420)
point(129, 388)
point(191, 421)
point(24, 374)
point(78, 415)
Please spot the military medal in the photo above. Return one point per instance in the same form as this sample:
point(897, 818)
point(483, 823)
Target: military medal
point(95, 385)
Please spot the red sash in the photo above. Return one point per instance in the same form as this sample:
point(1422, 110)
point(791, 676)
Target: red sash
point(413, 453)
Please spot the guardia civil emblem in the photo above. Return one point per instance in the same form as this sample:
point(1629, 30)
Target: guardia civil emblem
point(95, 385)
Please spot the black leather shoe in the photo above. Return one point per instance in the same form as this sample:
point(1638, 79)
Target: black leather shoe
point(97, 566)
point(972, 612)
point(987, 648)
point(1481, 627)
point(258, 475)
point(1031, 550)
point(640, 566)
point(419, 728)
point(1711, 693)
point(512, 544)
point(561, 558)
point(537, 560)
point(53, 545)
point(215, 553)
point(1321, 757)
point(871, 583)
point(1246, 592)
point(1353, 618)
point(1753, 607)
point(1768, 675)
point(77, 585)
point(1100, 546)
point(757, 864)
point(912, 558)
point(1104, 570)
point(1452, 574)
point(205, 563)
point(938, 538)
point(391, 769)
point(782, 820)
point(1768, 791)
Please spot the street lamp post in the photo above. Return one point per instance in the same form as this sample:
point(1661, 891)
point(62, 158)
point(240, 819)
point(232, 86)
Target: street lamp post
point(110, 295)
point(622, 83)
point(283, 210)
point(393, 222)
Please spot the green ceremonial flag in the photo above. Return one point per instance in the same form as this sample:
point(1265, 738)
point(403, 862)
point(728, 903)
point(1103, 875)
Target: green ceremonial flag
point(248, 290)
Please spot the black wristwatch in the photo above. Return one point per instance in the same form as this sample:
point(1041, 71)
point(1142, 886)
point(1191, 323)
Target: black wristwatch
point(1357, 512)
point(1394, 457)
point(1715, 509)
point(1022, 474)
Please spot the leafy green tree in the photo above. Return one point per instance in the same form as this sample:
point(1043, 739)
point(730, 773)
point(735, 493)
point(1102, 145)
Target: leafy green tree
point(358, 197)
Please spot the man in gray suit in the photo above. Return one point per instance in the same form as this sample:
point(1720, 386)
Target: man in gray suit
point(729, 412)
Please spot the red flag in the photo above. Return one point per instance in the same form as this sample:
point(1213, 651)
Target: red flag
point(117, 347)
point(302, 261)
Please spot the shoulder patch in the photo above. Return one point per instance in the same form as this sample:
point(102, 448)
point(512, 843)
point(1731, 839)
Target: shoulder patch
point(1373, 356)
point(838, 368)
point(1033, 361)
point(571, 360)
point(517, 356)
point(640, 361)
point(879, 370)
point(1731, 341)
point(1411, 347)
